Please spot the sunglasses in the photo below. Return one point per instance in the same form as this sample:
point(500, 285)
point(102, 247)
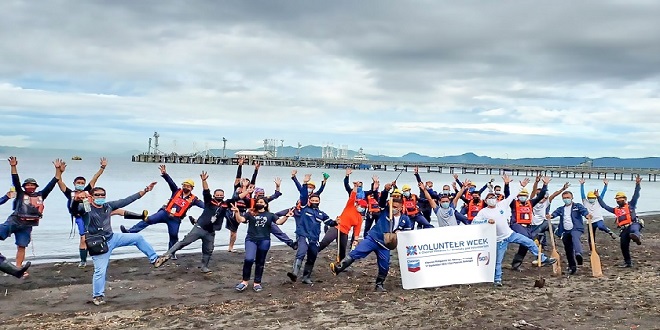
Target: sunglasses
point(99, 195)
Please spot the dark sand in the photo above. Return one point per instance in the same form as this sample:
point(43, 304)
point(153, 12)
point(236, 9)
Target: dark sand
point(177, 295)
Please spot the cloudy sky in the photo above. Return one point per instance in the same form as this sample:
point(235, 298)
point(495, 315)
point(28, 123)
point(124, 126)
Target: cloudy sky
point(497, 78)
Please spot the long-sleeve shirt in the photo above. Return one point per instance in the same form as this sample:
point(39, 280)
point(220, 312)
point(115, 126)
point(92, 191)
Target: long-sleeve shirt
point(499, 214)
point(213, 214)
point(632, 204)
point(303, 189)
point(384, 225)
point(595, 209)
point(4, 199)
point(350, 217)
point(174, 188)
point(422, 202)
point(21, 194)
point(310, 223)
point(577, 212)
point(97, 221)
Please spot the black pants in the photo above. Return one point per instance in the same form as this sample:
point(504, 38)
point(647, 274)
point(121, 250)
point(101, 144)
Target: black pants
point(567, 239)
point(331, 236)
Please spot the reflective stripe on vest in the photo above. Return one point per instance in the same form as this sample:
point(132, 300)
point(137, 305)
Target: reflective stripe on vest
point(524, 213)
point(178, 205)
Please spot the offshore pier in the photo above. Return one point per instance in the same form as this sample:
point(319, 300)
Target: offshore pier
point(268, 157)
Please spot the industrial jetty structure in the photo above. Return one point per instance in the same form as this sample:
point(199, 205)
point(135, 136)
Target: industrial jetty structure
point(268, 157)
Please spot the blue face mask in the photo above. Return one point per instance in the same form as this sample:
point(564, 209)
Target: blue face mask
point(444, 205)
point(99, 201)
point(360, 193)
point(445, 192)
point(80, 187)
point(567, 201)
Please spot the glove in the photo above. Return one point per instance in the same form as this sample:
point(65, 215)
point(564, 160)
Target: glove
point(326, 176)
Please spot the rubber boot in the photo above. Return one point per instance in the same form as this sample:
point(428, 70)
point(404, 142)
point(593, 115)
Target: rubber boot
point(205, 263)
point(380, 280)
point(10, 269)
point(293, 274)
point(133, 215)
point(341, 266)
point(307, 274)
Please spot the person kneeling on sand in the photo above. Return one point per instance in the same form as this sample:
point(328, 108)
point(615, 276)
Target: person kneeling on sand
point(101, 241)
point(257, 241)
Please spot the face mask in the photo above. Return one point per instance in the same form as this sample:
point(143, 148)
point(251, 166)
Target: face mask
point(444, 205)
point(310, 190)
point(621, 203)
point(406, 193)
point(395, 211)
point(567, 201)
point(218, 199)
point(522, 199)
point(445, 192)
point(29, 190)
point(260, 207)
point(360, 209)
point(491, 201)
point(99, 201)
point(476, 199)
point(80, 187)
point(314, 205)
point(497, 192)
point(185, 190)
point(591, 200)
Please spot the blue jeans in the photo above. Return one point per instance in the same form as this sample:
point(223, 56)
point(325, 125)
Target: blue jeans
point(22, 234)
point(255, 251)
point(368, 245)
point(502, 246)
point(101, 261)
point(81, 226)
point(522, 249)
point(161, 216)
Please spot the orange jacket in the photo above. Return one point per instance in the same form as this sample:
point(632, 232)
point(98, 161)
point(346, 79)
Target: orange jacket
point(350, 217)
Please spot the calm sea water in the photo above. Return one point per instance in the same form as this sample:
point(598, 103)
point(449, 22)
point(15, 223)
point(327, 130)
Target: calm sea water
point(51, 240)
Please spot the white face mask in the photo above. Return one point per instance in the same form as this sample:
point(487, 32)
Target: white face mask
point(491, 201)
point(406, 193)
point(522, 199)
point(592, 200)
point(310, 190)
point(360, 209)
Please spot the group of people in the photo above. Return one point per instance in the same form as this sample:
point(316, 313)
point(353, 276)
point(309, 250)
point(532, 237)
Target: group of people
point(368, 223)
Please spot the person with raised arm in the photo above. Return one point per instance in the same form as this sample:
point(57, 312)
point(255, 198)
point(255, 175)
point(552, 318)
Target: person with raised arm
point(521, 219)
point(570, 229)
point(540, 224)
point(590, 201)
point(446, 209)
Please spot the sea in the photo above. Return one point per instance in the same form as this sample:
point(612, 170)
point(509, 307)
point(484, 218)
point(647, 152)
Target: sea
point(56, 240)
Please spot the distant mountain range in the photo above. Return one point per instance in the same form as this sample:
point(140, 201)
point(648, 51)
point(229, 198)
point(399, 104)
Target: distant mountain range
point(316, 152)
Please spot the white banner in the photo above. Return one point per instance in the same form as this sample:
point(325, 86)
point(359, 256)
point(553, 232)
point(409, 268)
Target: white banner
point(447, 255)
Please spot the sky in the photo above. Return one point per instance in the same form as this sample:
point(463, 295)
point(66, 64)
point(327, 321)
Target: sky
point(507, 79)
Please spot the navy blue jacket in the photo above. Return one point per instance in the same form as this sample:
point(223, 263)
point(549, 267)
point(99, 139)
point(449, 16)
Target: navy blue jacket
point(577, 212)
point(383, 225)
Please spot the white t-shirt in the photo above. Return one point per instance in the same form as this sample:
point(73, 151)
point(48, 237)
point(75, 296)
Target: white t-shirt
point(594, 209)
point(540, 210)
point(501, 213)
point(568, 220)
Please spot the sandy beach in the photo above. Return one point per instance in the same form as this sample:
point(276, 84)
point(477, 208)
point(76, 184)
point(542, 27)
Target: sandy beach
point(177, 295)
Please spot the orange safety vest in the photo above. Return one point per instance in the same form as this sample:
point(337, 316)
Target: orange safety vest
point(474, 208)
point(410, 205)
point(32, 208)
point(500, 197)
point(179, 205)
point(372, 204)
point(623, 216)
point(524, 213)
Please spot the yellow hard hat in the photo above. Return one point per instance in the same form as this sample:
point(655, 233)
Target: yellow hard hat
point(311, 183)
point(620, 194)
point(591, 194)
point(189, 182)
point(523, 192)
point(405, 187)
point(396, 192)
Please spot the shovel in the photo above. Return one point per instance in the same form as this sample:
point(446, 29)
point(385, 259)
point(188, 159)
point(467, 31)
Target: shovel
point(540, 282)
point(556, 267)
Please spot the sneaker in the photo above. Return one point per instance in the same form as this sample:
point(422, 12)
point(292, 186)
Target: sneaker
point(612, 234)
point(516, 265)
point(549, 261)
point(123, 229)
point(625, 265)
point(82, 264)
point(161, 260)
point(535, 262)
point(307, 280)
point(635, 238)
point(497, 284)
point(380, 288)
point(578, 258)
point(98, 301)
point(572, 271)
point(257, 288)
point(205, 270)
point(240, 287)
point(173, 257)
